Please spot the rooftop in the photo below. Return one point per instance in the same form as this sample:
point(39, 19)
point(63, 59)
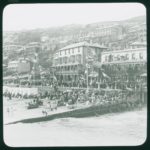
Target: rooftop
point(107, 27)
point(32, 43)
point(138, 43)
point(125, 50)
point(137, 27)
point(81, 44)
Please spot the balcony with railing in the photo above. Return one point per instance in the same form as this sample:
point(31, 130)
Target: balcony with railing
point(67, 72)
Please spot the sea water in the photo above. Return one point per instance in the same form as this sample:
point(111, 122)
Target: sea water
point(126, 128)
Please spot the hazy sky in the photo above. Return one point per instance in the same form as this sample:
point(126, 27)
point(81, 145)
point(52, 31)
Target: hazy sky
point(31, 16)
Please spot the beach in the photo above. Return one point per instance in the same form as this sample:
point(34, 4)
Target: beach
point(115, 129)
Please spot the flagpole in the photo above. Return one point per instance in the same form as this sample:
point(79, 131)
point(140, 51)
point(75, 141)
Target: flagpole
point(53, 76)
point(87, 79)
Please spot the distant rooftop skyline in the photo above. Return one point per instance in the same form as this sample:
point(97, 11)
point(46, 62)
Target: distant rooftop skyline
point(31, 16)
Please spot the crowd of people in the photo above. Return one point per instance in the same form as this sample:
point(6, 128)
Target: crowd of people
point(91, 97)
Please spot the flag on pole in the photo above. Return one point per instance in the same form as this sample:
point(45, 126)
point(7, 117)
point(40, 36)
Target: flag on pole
point(105, 75)
point(88, 66)
point(129, 89)
point(82, 77)
point(54, 77)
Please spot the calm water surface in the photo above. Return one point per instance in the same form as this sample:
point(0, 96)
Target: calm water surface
point(127, 128)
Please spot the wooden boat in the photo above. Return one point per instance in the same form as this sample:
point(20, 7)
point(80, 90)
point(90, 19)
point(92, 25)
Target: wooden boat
point(32, 106)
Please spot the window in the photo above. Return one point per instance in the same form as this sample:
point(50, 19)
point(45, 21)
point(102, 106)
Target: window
point(138, 46)
point(66, 60)
point(141, 55)
point(118, 57)
point(78, 58)
point(56, 61)
point(72, 50)
point(127, 57)
point(106, 58)
point(69, 59)
point(60, 60)
point(110, 58)
point(65, 52)
point(73, 59)
point(60, 52)
point(69, 51)
point(78, 49)
point(133, 56)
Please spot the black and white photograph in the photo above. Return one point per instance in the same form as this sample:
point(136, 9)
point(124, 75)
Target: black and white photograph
point(74, 74)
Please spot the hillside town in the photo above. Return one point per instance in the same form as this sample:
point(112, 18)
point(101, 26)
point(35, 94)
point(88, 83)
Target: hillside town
point(74, 74)
point(100, 63)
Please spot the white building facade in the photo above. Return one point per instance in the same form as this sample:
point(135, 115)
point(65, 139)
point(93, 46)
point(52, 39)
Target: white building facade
point(125, 56)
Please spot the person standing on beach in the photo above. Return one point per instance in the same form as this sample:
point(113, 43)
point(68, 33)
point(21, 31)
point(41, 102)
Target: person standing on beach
point(11, 111)
point(8, 111)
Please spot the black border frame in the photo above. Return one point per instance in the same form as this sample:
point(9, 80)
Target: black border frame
point(4, 3)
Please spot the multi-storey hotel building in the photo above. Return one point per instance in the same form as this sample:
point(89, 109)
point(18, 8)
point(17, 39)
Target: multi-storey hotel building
point(137, 55)
point(69, 60)
point(126, 67)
